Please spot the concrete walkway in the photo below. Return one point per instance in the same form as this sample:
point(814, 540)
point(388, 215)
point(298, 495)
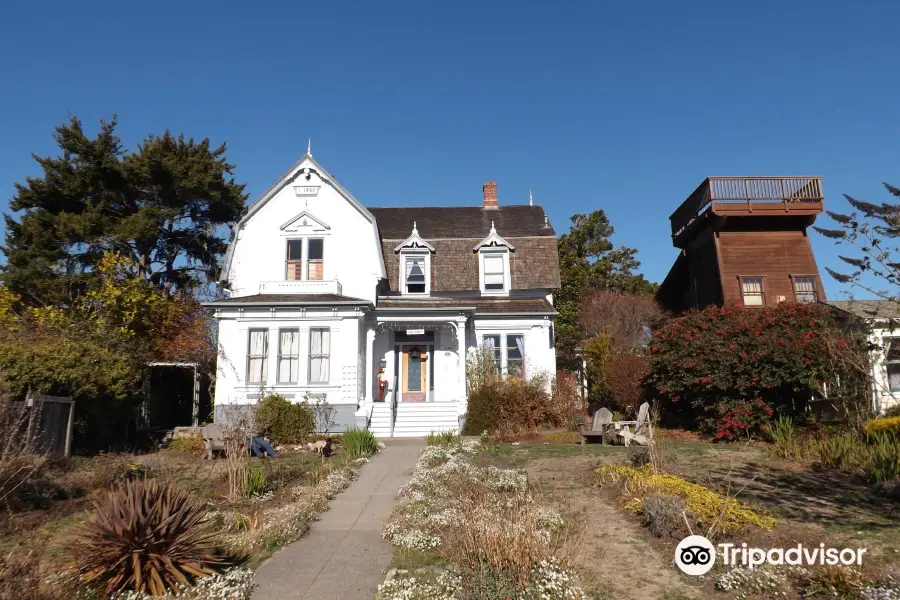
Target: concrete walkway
point(343, 556)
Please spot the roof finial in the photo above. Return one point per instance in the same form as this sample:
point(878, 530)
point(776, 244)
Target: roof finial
point(530, 198)
point(309, 147)
point(415, 229)
point(492, 228)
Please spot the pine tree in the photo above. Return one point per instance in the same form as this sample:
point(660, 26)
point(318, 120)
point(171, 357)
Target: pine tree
point(163, 207)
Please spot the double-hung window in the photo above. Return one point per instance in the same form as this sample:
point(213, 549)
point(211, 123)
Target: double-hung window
point(494, 271)
point(752, 292)
point(515, 355)
point(507, 352)
point(288, 355)
point(892, 362)
point(319, 355)
point(305, 259)
point(315, 259)
point(257, 356)
point(805, 289)
point(415, 274)
point(492, 343)
point(294, 260)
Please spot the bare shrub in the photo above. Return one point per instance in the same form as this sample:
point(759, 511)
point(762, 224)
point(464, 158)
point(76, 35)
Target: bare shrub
point(664, 516)
point(500, 531)
point(566, 405)
point(625, 318)
point(624, 375)
point(323, 414)
point(23, 578)
point(21, 462)
point(511, 406)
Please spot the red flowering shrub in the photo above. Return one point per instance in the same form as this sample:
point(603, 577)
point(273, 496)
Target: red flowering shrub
point(729, 369)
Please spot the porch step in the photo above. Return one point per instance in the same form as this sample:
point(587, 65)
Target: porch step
point(418, 419)
point(380, 423)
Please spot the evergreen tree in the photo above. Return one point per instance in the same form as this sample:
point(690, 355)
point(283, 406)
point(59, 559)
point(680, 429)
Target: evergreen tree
point(588, 260)
point(162, 206)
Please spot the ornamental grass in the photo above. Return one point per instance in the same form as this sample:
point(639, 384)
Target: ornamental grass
point(719, 512)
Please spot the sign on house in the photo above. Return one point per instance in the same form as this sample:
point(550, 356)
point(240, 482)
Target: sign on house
point(415, 331)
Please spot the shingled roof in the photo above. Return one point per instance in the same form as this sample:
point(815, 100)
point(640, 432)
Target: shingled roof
point(436, 222)
point(454, 231)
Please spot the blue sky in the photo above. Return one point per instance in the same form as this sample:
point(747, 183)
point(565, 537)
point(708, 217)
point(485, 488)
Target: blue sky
point(624, 106)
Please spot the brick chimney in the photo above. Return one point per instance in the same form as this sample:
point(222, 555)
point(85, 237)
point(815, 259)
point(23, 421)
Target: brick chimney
point(490, 194)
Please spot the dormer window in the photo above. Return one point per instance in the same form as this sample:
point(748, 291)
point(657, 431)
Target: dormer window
point(415, 264)
point(493, 264)
point(415, 268)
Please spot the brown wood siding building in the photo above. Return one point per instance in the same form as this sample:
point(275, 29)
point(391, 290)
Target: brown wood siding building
point(743, 240)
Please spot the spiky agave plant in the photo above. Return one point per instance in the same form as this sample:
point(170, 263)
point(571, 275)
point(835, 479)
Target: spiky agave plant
point(146, 537)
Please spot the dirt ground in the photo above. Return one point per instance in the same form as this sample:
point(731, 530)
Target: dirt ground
point(618, 558)
point(611, 554)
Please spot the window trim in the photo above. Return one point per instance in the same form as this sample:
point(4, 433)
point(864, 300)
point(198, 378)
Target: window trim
point(287, 357)
point(521, 361)
point(815, 290)
point(762, 290)
point(304, 261)
point(404, 255)
point(503, 367)
point(309, 370)
point(887, 363)
point(264, 374)
point(494, 251)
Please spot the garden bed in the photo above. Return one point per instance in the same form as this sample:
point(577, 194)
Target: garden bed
point(284, 494)
point(617, 557)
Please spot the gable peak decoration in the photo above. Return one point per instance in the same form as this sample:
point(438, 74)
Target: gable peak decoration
point(493, 239)
point(305, 220)
point(414, 241)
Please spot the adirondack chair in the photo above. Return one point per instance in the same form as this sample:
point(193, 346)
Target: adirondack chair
point(214, 439)
point(643, 428)
point(602, 421)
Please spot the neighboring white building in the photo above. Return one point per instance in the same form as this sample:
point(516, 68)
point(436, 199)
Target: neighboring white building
point(328, 298)
point(883, 320)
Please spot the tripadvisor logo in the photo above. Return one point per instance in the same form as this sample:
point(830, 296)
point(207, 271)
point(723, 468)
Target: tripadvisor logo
point(696, 555)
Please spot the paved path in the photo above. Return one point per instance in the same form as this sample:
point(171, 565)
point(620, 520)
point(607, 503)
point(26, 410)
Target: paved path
point(343, 556)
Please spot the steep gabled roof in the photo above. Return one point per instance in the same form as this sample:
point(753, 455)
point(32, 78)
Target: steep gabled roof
point(306, 162)
point(436, 222)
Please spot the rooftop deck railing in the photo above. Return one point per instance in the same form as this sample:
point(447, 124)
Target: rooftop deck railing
point(791, 192)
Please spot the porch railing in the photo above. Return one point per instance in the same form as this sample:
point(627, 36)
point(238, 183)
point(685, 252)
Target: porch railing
point(791, 192)
point(393, 405)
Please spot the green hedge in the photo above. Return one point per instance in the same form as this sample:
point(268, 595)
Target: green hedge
point(283, 421)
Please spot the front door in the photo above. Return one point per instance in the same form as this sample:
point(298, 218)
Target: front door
point(414, 373)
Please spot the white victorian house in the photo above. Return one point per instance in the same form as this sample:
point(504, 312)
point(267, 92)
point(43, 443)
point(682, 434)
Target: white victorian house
point(373, 309)
point(882, 320)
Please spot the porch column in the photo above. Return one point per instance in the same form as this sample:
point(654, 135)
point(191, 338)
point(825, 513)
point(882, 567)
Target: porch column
point(370, 364)
point(461, 345)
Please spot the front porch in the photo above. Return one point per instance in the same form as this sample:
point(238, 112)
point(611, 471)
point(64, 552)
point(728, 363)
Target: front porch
point(415, 373)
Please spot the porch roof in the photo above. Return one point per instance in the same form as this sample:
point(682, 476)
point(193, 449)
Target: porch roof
point(478, 306)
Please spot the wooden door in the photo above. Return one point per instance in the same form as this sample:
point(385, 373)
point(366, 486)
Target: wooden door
point(414, 374)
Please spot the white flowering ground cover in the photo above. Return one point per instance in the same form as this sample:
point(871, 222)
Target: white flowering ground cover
point(452, 501)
